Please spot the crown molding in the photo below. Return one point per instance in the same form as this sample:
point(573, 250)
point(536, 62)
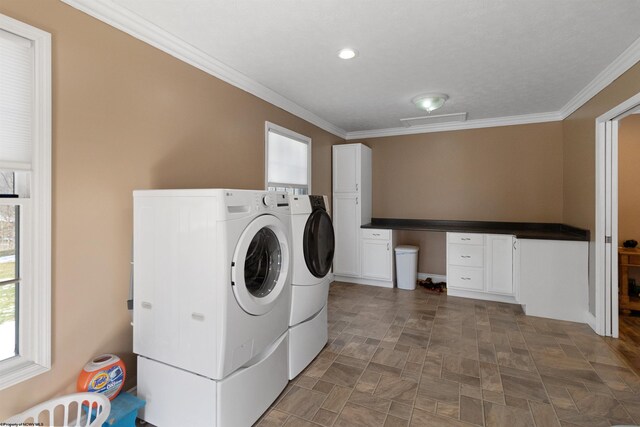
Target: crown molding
point(627, 59)
point(470, 124)
point(132, 24)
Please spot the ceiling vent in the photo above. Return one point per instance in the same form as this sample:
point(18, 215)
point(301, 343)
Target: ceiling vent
point(432, 120)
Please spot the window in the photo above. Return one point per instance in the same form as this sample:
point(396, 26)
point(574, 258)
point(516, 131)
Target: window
point(9, 269)
point(25, 201)
point(288, 160)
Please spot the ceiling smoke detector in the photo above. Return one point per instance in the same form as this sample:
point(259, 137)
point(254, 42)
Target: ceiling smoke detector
point(430, 102)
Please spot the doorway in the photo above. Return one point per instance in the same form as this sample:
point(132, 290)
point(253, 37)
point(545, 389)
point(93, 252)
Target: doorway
point(607, 216)
point(628, 235)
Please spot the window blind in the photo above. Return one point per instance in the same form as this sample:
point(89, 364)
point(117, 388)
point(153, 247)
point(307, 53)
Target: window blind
point(288, 159)
point(16, 101)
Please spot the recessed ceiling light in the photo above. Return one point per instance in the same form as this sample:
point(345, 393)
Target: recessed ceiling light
point(347, 53)
point(430, 102)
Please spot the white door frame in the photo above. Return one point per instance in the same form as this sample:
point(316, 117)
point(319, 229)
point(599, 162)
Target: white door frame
point(606, 237)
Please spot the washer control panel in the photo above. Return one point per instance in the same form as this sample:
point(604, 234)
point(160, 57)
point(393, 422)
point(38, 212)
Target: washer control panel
point(270, 201)
point(246, 201)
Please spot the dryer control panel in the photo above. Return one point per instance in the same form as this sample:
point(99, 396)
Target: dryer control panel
point(305, 204)
point(317, 202)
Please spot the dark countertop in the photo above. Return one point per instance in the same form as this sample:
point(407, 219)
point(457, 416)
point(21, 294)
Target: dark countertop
point(522, 230)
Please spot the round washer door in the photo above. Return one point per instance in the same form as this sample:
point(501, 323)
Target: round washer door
point(318, 243)
point(261, 265)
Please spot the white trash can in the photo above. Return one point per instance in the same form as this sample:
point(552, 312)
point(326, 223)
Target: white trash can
point(407, 266)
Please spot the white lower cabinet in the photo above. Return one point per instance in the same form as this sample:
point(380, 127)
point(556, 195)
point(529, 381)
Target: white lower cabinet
point(499, 263)
point(553, 278)
point(375, 251)
point(481, 266)
point(377, 259)
point(346, 210)
point(549, 278)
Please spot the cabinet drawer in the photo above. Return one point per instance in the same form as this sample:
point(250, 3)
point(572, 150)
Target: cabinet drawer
point(466, 278)
point(466, 255)
point(465, 238)
point(375, 233)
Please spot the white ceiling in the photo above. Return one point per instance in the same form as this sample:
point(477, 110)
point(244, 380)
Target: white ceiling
point(494, 58)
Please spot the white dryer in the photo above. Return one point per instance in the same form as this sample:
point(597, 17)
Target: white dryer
point(313, 242)
point(212, 298)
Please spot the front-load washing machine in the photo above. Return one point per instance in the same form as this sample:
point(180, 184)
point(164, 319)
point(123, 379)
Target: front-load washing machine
point(212, 299)
point(313, 242)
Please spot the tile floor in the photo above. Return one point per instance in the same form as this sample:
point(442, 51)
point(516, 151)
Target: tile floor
point(401, 358)
point(629, 342)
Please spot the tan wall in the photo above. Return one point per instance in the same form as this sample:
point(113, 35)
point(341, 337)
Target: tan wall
point(628, 178)
point(510, 173)
point(127, 116)
point(579, 198)
point(432, 256)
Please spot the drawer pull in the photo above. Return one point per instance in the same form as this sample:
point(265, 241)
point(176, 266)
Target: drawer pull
point(465, 256)
point(376, 234)
point(197, 316)
point(145, 304)
point(465, 238)
point(466, 278)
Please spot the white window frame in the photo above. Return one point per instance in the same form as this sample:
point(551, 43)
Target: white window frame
point(35, 215)
point(272, 127)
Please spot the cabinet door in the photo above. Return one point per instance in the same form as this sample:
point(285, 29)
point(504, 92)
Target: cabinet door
point(499, 266)
point(346, 223)
point(346, 168)
point(377, 259)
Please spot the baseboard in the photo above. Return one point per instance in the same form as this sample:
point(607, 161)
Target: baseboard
point(555, 315)
point(372, 282)
point(361, 281)
point(481, 295)
point(590, 320)
point(434, 277)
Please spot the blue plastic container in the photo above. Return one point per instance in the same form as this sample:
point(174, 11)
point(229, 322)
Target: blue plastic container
point(124, 410)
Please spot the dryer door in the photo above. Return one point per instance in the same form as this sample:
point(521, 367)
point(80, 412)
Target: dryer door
point(260, 265)
point(318, 243)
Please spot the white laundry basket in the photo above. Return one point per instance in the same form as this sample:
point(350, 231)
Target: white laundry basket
point(72, 409)
point(407, 266)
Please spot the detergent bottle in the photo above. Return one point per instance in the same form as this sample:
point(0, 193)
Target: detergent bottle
point(104, 374)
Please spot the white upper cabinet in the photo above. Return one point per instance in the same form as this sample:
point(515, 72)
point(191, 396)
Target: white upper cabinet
point(346, 168)
point(352, 175)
